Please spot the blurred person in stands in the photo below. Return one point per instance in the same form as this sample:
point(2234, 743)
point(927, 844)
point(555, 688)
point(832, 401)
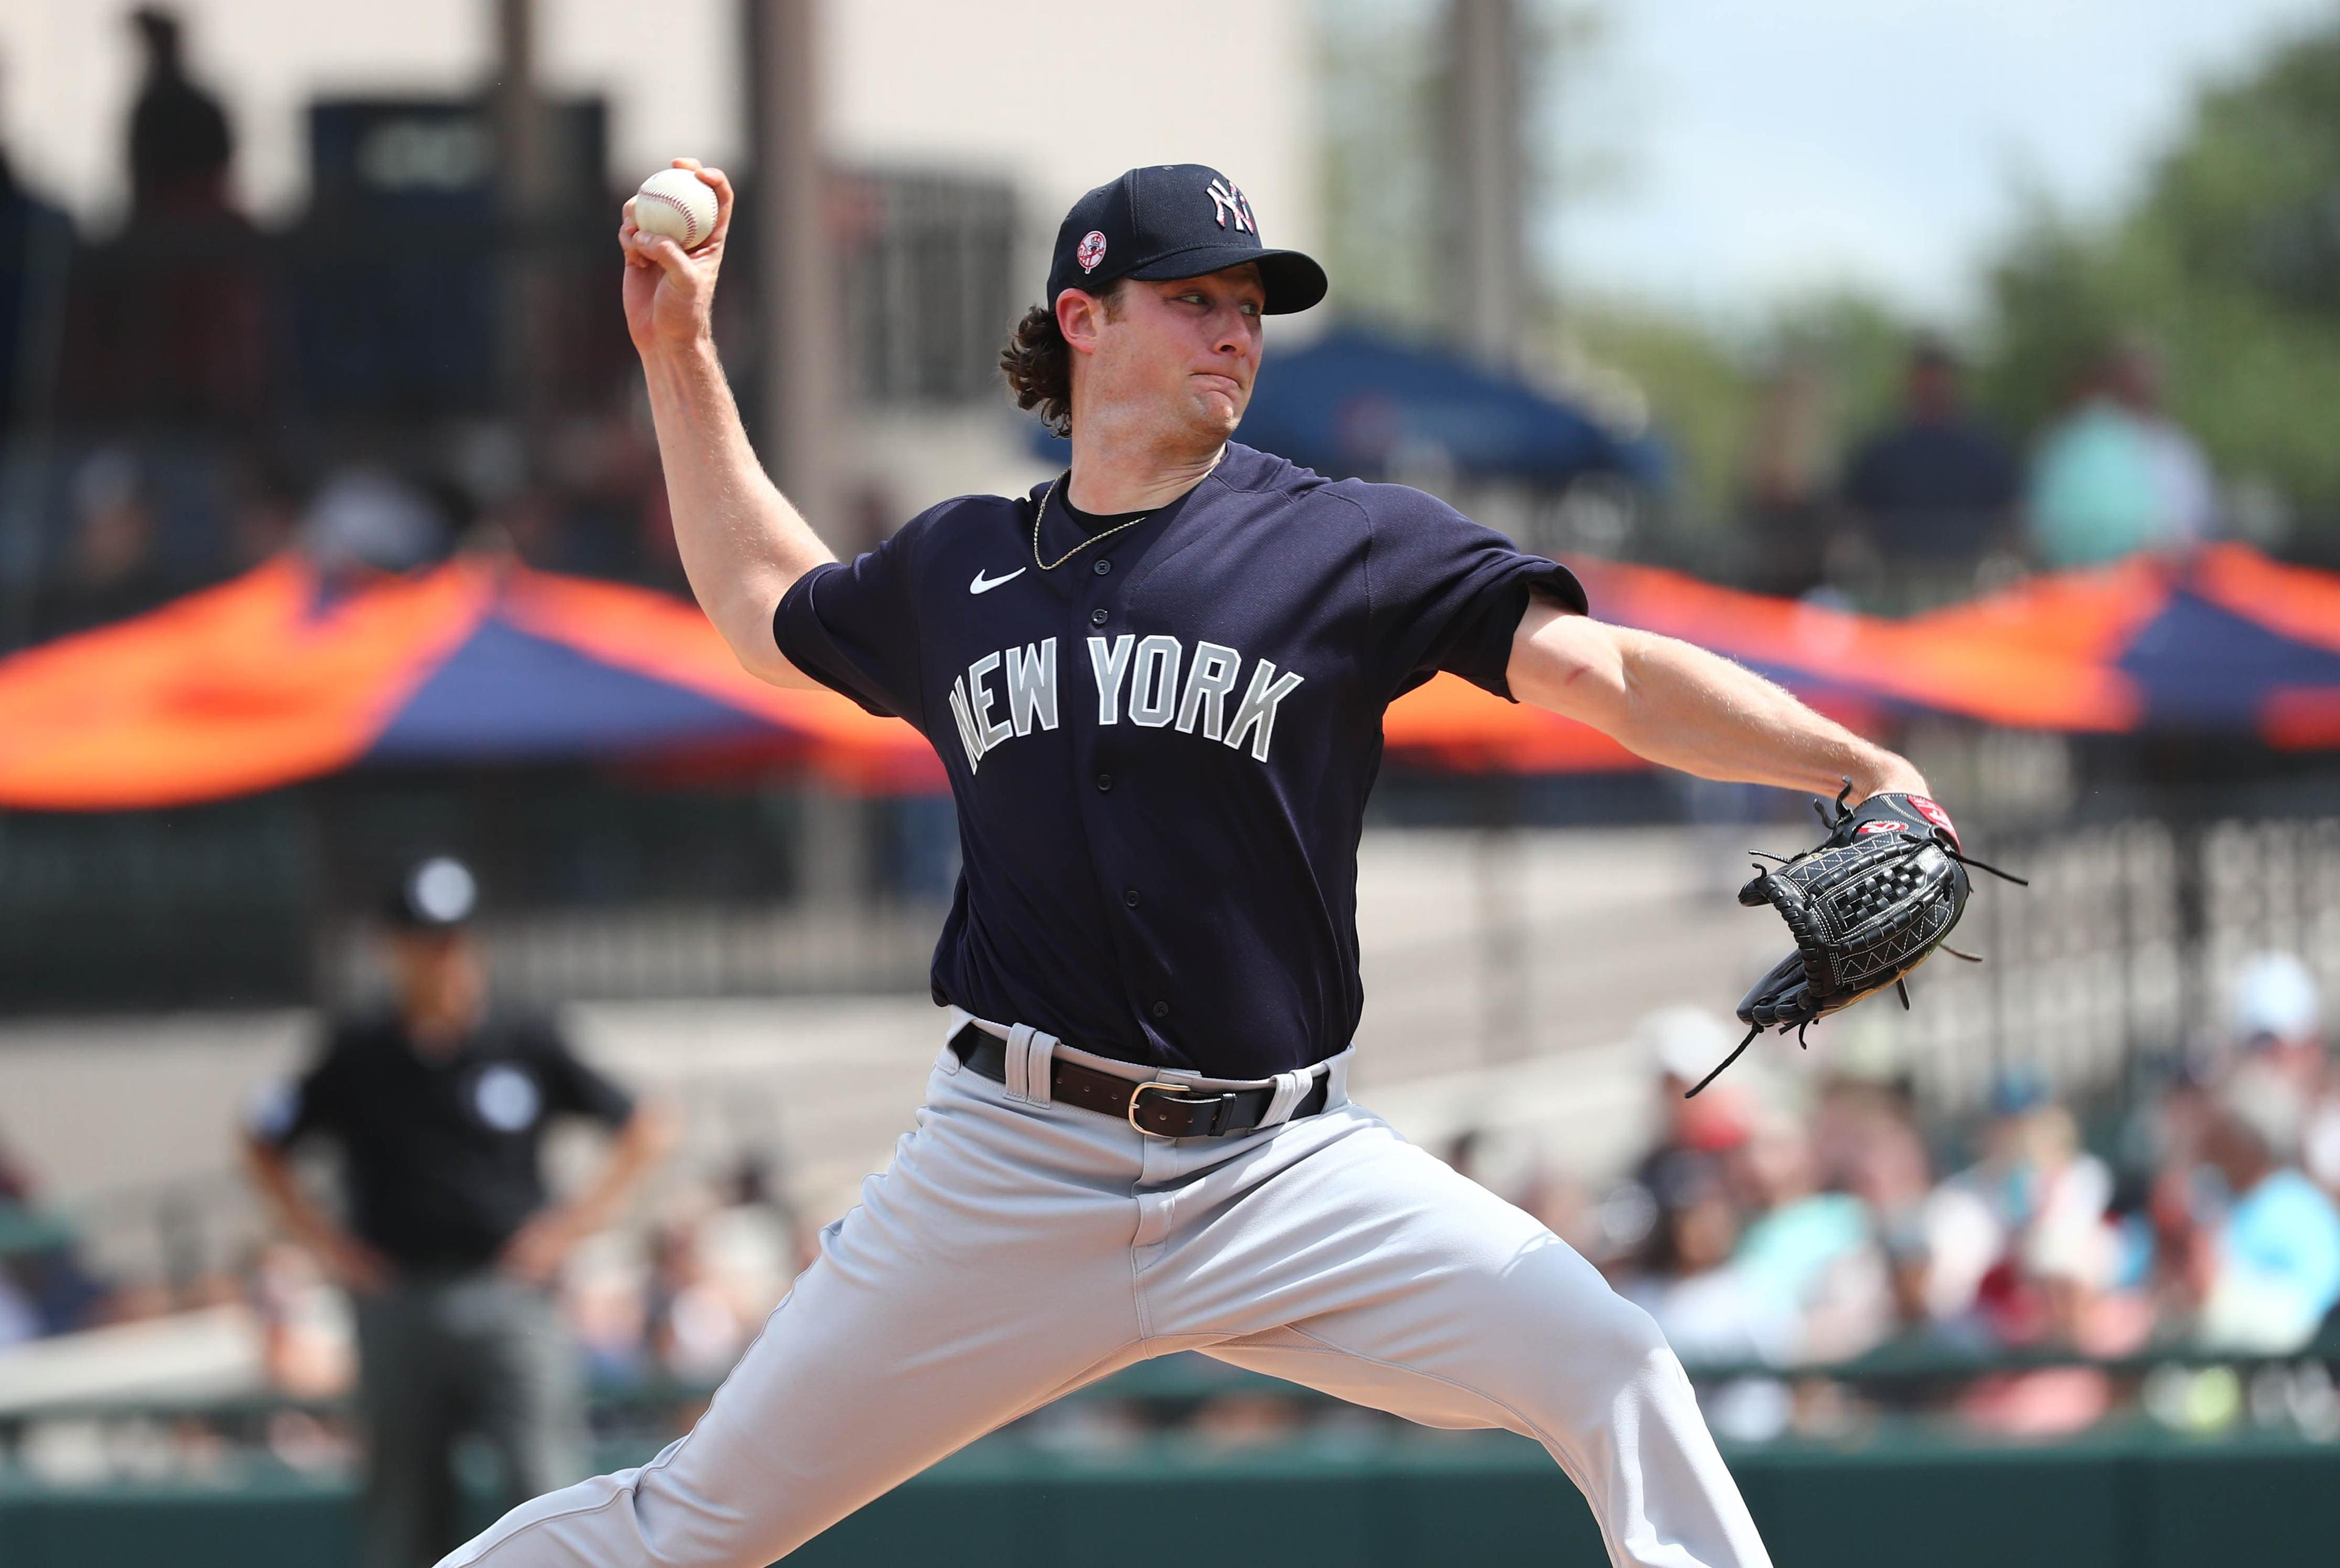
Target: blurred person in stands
point(169, 320)
point(2276, 1019)
point(1685, 1277)
point(36, 253)
point(45, 1287)
point(2116, 475)
point(2261, 1262)
point(1933, 493)
point(1806, 1252)
point(438, 1108)
point(266, 509)
point(2067, 1265)
point(180, 143)
point(1865, 1140)
point(1788, 516)
point(1682, 1043)
point(2033, 1176)
point(1710, 1310)
point(363, 520)
point(111, 570)
point(697, 1324)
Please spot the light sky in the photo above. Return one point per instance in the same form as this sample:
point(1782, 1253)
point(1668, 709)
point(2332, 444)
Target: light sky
point(1771, 148)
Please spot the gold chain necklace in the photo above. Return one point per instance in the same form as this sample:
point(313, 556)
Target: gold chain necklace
point(1052, 565)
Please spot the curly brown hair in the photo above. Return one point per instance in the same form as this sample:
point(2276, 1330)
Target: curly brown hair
point(1038, 362)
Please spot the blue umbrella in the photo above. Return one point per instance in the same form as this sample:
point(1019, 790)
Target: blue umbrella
point(1355, 403)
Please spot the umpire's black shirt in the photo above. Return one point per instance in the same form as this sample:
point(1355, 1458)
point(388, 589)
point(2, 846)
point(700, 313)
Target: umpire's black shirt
point(1161, 748)
point(441, 1149)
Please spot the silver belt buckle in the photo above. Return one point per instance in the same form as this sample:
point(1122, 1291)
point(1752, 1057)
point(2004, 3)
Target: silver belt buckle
point(1138, 1094)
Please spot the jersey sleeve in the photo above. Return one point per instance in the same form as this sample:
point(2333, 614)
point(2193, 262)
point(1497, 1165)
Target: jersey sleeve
point(1446, 594)
point(571, 1085)
point(284, 1111)
point(851, 626)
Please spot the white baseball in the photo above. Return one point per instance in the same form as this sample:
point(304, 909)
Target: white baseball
point(678, 205)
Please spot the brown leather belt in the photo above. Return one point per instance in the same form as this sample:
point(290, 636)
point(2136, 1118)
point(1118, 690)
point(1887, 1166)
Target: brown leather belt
point(1164, 1108)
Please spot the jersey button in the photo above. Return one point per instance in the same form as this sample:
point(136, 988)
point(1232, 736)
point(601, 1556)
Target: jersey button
point(1104, 780)
point(1102, 567)
point(1097, 617)
point(1161, 1009)
point(1130, 897)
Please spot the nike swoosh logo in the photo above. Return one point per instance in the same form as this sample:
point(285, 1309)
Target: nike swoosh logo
point(983, 584)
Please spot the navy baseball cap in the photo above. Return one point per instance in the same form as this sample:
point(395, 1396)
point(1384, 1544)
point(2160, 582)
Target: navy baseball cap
point(1174, 221)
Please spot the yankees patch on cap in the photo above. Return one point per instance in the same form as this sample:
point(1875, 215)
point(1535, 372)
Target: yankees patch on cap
point(1174, 221)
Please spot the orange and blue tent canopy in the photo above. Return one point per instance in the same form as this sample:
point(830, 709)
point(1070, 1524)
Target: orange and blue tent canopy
point(275, 678)
point(2223, 643)
point(1864, 671)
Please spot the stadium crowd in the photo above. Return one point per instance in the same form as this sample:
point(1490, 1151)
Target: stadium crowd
point(1780, 1221)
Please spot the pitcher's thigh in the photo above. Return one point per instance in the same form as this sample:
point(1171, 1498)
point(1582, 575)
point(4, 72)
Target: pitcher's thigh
point(1449, 1306)
point(1466, 1312)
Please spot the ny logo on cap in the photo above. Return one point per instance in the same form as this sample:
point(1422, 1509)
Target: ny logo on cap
point(1225, 199)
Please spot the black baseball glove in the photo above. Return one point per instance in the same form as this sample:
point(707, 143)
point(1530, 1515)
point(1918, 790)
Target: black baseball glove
point(1868, 905)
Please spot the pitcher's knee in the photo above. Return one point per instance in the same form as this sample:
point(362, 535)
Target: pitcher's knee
point(1590, 1359)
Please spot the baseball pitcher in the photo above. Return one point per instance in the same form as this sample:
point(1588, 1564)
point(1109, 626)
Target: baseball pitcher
point(1156, 683)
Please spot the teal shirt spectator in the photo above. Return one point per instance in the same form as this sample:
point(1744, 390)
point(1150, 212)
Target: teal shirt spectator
point(1782, 1255)
point(2284, 1235)
point(2094, 493)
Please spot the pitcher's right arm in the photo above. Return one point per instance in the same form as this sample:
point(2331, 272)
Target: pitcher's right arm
point(743, 545)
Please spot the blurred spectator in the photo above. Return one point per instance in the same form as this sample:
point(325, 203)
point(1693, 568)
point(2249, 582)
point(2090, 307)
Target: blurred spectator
point(2033, 1177)
point(2116, 475)
point(1808, 1254)
point(265, 518)
point(1705, 1304)
point(1709, 1306)
point(1865, 1140)
point(304, 1324)
point(2276, 1019)
point(111, 571)
point(440, 1109)
point(2275, 1262)
point(363, 520)
point(35, 250)
point(1934, 491)
point(2275, 1016)
point(180, 144)
point(1684, 1044)
point(170, 321)
point(697, 1326)
point(45, 1286)
point(1789, 520)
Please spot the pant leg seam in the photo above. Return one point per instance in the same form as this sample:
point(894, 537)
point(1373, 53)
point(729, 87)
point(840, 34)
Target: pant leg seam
point(660, 1463)
point(622, 1492)
point(1551, 1445)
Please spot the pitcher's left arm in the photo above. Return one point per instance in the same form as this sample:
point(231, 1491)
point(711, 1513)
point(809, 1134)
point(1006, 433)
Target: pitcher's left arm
point(1682, 706)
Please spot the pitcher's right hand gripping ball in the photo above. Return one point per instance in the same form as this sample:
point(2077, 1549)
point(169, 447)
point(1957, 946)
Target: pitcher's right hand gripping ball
point(1868, 905)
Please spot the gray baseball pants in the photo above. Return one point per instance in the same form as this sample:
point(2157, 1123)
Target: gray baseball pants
point(1016, 1250)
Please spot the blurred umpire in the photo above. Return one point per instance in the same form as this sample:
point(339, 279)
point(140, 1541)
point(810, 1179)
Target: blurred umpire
point(438, 1107)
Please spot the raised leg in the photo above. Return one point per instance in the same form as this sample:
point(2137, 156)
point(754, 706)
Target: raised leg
point(1384, 1278)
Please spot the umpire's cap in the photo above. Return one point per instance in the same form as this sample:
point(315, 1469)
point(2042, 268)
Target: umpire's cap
point(1174, 221)
point(438, 894)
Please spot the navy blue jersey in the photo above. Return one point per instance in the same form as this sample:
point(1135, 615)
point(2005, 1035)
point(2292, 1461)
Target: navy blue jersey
point(1161, 748)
